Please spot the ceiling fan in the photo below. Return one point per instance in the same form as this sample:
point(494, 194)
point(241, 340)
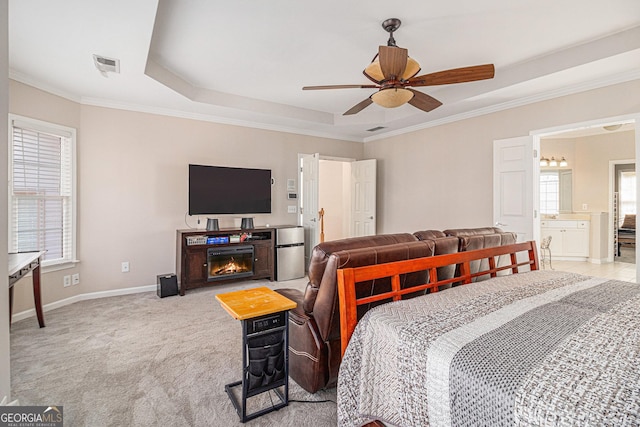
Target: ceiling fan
point(394, 72)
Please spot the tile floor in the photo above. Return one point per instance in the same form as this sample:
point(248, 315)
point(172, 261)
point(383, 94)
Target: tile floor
point(613, 270)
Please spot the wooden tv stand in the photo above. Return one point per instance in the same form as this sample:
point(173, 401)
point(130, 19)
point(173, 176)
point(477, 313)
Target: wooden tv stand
point(191, 259)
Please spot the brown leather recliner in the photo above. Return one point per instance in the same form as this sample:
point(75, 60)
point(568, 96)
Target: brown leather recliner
point(314, 325)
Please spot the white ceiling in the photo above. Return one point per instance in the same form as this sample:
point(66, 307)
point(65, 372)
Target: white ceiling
point(245, 61)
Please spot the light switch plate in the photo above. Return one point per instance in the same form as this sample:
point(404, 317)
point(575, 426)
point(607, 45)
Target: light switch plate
point(292, 209)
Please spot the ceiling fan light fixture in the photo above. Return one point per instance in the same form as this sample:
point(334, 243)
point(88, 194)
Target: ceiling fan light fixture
point(374, 72)
point(412, 69)
point(392, 97)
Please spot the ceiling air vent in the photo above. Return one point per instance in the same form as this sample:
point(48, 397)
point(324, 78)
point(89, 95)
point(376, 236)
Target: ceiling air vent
point(106, 65)
point(377, 128)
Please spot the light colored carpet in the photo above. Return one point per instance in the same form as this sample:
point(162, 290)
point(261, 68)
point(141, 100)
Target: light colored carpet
point(139, 360)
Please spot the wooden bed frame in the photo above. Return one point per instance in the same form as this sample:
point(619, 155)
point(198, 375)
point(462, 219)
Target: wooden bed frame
point(348, 277)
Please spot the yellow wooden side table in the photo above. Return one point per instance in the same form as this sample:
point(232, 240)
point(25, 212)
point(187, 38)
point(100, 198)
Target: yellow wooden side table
point(265, 341)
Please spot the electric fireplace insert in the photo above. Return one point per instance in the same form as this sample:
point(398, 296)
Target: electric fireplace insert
point(229, 262)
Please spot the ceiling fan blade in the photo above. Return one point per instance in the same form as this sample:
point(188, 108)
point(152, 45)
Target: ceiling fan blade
point(423, 101)
point(393, 61)
point(358, 107)
point(455, 75)
point(341, 87)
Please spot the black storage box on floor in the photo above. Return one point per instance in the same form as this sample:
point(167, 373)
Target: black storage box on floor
point(167, 285)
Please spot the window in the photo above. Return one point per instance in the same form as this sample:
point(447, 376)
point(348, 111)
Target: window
point(627, 191)
point(549, 193)
point(42, 190)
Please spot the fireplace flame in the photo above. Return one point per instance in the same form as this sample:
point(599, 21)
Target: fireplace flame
point(231, 267)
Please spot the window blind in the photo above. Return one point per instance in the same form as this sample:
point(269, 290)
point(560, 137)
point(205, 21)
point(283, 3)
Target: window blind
point(41, 212)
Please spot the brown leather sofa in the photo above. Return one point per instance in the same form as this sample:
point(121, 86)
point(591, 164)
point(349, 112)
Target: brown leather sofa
point(314, 325)
point(479, 238)
point(443, 244)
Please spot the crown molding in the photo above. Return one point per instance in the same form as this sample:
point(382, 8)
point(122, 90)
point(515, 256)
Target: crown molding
point(98, 102)
point(105, 103)
point(29, 81)
point(544, 96)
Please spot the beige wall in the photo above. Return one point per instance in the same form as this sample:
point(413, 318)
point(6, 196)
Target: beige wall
point(589, 158)
point(132, 187)
point(441, 177)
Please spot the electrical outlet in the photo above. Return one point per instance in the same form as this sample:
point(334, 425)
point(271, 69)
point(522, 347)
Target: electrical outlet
point(75, 279)
point(67, 281)
point(125, 266)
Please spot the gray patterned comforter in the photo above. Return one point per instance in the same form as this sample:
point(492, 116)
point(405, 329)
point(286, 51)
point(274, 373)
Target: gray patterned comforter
point(532, 349)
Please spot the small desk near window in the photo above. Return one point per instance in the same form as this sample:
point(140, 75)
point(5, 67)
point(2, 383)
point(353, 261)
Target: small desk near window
point(20, 265)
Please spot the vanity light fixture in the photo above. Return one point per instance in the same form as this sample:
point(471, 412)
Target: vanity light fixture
point(544, 162)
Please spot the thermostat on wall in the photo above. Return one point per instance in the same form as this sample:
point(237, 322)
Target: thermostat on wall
point(292, 196)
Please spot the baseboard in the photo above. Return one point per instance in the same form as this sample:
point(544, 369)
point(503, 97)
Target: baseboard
point(570, 258)
point(82, 297)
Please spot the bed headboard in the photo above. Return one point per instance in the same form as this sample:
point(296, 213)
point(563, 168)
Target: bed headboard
point(348, 277)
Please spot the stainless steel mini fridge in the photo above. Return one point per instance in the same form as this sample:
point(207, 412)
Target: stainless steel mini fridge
point(289, 252)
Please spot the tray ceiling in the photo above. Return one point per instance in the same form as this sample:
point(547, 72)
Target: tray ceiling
point(245, 62)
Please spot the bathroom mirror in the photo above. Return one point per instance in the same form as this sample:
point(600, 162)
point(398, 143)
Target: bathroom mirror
point(566, 196)
point(556, 190)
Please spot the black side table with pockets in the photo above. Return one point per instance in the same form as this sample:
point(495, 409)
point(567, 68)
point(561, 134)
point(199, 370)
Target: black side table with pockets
point(265, 343)
point(264, 361)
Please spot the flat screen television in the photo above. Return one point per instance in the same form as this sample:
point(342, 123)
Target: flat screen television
point(227, 190)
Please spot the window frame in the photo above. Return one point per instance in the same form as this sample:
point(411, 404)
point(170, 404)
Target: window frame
point(621, 200)
point(59, 131)
point(544, 204)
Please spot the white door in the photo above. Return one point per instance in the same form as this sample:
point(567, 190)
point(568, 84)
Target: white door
point(515, 199)
point(363, 198)
point(310, 177)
